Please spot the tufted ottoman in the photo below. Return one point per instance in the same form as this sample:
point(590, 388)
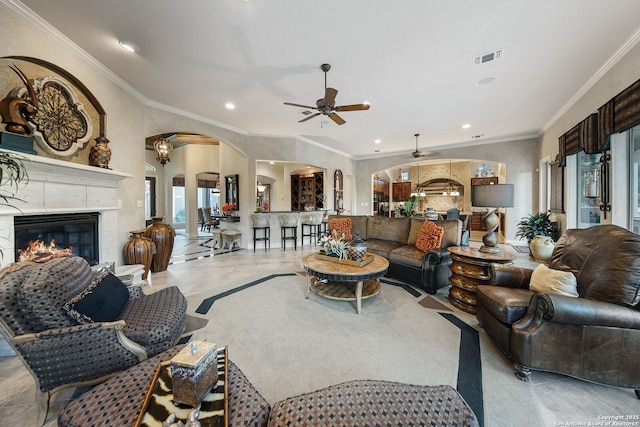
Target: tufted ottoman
point(362, 403)
point(117, 401)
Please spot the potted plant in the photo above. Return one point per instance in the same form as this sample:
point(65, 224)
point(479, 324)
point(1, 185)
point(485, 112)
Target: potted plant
point(12, 172)
point(538, 230)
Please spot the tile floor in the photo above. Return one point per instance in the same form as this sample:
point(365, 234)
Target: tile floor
point(558, 397)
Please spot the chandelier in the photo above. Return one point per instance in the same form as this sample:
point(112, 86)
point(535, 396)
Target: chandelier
point(163, 147)
point(450, 189)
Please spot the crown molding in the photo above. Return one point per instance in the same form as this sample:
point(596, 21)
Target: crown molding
point(604, 69)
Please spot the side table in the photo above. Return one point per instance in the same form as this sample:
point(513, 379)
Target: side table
point(469, 269)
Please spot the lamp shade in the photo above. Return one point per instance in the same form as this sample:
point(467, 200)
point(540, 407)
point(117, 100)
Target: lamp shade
point(492, 195)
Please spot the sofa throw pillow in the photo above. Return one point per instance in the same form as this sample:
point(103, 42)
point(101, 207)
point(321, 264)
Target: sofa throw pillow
point(429, 236)
point(102, 301)
point(544, 279)
point(341, 226)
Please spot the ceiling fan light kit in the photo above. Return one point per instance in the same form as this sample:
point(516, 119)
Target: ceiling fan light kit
point(417, 154)
point(326, 105)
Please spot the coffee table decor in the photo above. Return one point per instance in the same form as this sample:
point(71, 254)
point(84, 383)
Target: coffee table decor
point(365, 260)
point(159, 403)
point(193, 372)
point(335, 249)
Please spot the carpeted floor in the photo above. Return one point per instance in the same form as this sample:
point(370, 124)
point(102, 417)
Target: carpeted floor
point(288, 345)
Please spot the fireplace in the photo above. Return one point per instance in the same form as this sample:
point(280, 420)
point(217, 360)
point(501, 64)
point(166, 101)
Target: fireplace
point(77, 232)
point(58, 187)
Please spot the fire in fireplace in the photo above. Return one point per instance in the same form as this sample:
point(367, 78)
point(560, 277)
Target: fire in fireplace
point(38, 251)
point(41, 237)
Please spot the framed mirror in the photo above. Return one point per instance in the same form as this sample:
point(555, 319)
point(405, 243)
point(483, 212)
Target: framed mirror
point(232, 187)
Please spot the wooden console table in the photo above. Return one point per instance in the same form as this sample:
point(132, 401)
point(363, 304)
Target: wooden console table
point(469, 269)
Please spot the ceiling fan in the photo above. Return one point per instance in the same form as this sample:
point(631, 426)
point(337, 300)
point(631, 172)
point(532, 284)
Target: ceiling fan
point(417, 154)
point(327, 105)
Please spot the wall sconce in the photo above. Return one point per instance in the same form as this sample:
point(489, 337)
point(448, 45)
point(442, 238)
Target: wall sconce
point(261, 187)
point(163, 147)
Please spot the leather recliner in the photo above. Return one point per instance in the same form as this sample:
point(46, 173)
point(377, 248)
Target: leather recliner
point(595, 337)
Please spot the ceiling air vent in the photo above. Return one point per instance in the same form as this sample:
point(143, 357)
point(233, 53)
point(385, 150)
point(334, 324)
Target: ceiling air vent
point(488, 57)
point(306, 112)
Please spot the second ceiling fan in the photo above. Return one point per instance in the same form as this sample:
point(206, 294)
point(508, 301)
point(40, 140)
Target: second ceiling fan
point(327, 105)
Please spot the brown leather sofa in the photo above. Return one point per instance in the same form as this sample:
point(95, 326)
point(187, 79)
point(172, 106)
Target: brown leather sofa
point(596, 336)
point(395, 238)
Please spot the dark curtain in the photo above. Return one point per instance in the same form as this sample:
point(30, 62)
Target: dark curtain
point(593, 133)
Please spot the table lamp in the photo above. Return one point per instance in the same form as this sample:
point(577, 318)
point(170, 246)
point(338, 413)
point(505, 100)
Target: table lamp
point(492, 196)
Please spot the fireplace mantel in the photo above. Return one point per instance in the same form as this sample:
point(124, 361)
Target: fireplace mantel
point(58, 186)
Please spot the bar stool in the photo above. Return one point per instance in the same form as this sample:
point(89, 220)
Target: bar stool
point(324, 226)
point(288, 222)
point(313, 226)
point(260, 221)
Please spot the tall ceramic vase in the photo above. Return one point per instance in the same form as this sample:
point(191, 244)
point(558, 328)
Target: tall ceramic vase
point(163, 236)
point(138, 250)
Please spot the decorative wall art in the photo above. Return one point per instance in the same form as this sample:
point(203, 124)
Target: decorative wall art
point(47, 103)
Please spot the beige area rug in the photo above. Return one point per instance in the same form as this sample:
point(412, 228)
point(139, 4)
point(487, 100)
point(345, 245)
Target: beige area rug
point(288, 345)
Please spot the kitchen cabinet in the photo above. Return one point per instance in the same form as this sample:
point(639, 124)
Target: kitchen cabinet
point(484, 181)
point(307, 192)
point(380, 197)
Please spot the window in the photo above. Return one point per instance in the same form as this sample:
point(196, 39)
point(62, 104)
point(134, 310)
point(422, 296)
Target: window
point(634, 178)
point(555, 194)
point(589, 190)
point(178, 197)
point(150, 197)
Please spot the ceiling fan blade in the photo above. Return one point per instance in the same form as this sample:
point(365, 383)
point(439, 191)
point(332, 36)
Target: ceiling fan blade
point(353, 107)
point(299, 105)
point(329, 96)
point(336, 118)
point(309, 117)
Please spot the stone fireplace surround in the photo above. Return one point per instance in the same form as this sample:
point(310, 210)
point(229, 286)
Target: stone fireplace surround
point(57, 186)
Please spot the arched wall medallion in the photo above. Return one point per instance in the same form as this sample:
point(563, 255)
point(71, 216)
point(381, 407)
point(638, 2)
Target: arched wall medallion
point(61, 124)
point(69, 114)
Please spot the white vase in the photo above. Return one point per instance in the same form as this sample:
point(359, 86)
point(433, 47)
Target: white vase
point(542, 248)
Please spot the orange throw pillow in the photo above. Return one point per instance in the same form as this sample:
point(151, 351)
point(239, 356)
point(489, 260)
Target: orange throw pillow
point(429, 236)
point(341, 226)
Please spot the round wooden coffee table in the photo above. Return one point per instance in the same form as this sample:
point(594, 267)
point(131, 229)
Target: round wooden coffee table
point(339, 280)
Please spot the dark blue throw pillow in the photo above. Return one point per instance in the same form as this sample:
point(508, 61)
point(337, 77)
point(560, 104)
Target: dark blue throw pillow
point(102, 301)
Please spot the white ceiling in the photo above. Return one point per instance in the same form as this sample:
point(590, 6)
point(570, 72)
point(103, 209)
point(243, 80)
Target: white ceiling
point(411, 59)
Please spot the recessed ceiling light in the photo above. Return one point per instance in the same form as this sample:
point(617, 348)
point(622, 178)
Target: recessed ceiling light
point(367, 103)
point(377, 141)
point(486, 81)
point(129, 46)
point(466, 126)
point(230, 106)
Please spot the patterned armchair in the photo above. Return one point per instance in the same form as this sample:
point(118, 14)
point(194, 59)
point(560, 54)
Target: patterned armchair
point(43, 319)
